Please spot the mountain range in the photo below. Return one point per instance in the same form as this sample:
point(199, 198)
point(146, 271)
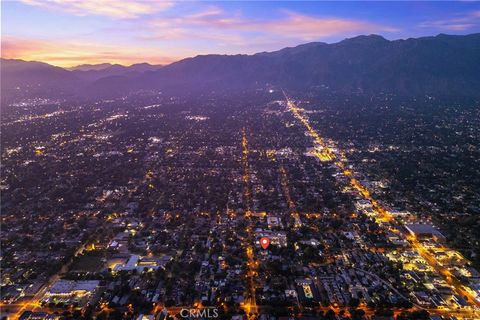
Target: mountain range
point(92, 72)
point(438, 65)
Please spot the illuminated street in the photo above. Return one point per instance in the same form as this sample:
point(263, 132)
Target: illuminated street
point(382, 216)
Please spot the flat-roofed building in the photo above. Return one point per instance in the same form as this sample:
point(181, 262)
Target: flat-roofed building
point(141, 263)
point(70, 287)
point(70, 292)
point(425, 231)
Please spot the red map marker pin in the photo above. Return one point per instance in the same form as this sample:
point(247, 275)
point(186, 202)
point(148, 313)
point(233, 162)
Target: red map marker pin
point(264, 242)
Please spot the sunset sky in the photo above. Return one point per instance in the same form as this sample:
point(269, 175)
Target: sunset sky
point(68, 33)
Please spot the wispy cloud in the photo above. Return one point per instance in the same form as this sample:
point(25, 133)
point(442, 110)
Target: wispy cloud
point(311, 28)
point(455, 23)
point(215, 21)
point(70, 53)
point(121, 9)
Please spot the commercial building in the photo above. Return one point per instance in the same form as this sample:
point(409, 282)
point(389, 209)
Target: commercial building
point(425, 231)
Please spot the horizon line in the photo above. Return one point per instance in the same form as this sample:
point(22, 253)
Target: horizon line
point(113, 63)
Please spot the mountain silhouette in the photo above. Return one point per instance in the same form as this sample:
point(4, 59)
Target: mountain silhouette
point(439, 65)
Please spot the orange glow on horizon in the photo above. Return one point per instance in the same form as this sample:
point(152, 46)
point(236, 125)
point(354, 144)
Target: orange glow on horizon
point(68, 54)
